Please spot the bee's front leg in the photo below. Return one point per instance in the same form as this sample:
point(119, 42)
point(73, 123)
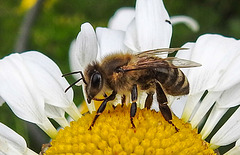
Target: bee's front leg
point(134, 95)
point(102, 107)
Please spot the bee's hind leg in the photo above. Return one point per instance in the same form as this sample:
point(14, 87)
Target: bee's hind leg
point(102, 108)
point(164, 108)
point(133, 110)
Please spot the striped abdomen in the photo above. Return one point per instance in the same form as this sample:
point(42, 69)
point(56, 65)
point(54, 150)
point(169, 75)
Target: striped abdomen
point(173, 81)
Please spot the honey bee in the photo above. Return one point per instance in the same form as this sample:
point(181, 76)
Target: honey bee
point(125, 73)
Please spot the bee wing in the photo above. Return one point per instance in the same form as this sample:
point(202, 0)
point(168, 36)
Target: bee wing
point(181, 63)
point(153, 62)
point(160, 51)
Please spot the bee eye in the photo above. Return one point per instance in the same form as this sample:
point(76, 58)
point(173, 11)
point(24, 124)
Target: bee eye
point(96, 80)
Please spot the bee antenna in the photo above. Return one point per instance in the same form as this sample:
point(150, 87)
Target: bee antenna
point(72, 84)
point(77, 72)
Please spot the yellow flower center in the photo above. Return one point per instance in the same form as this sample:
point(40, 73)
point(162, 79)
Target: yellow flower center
point(113, 134)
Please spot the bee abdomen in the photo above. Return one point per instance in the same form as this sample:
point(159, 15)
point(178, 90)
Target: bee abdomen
point(175, 82)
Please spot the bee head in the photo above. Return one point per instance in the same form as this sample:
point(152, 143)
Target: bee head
point(94, 81)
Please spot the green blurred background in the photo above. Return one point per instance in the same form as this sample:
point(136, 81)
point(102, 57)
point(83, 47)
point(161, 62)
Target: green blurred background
point(58, 23)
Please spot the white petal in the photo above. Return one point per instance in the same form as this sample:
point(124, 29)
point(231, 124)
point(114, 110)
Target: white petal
point(85, 49)
point(12, 143)
point(131, 40)
point(73, 111)
point(186, 54)
point(232, 48)
point(212, 51)
point(227, 81)
point(15, 78)
point(229, 132)
point(235, 150)
point(50, 81)
point(110, 41)
point(142, 95)
point(1, 101)
point(121, 18)
point(155, 105)
point(116, 101)
point(229, 98)
point(153, 30)
point(207, 103)
point(204, 107)
point(214, 117)
point(74, 63)
point(73, 60)
point(57, 114)
point(30, 152)
point(192, 102)
point(188, 21)
point(20, 92)
point(178, 105)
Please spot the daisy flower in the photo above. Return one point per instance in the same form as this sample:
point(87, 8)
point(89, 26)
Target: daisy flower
point(145, 28)
point(213, 88)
